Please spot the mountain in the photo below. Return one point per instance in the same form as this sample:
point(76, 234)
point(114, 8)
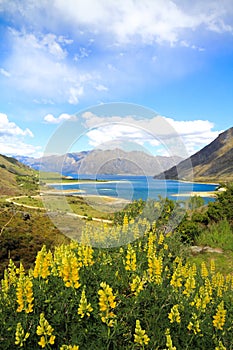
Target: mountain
point(214, 162)
point(114, 161)
point(14, 175)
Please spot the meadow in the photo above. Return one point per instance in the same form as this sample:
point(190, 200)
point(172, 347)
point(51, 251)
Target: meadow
point(132, 285)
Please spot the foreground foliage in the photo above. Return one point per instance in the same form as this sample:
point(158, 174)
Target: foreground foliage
point(139, 296)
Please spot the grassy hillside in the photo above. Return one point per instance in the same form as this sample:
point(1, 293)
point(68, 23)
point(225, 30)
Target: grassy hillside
point(15, 177)
point(212, 163)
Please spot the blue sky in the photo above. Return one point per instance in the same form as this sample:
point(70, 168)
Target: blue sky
point(60, 57)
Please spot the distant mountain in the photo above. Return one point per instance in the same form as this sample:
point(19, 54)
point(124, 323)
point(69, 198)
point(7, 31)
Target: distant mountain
point(114, 161)
point(11, 170)
point(214, 162)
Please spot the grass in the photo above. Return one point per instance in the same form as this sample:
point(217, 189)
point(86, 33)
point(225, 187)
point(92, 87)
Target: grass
point(219, 235)
point(98, 207)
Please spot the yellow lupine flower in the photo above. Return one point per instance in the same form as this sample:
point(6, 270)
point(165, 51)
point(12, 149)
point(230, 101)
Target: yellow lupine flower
point(161, 239)
point(204, 270)
point(169, 340)
point(69, 270)
point(24, 294)
point(155, 268)
point(220, 316)
point(212, 266)
point(125, 224)
point(189, 285)
point(174, 314)
point(137, 285)
point(106, 303)
point(220, 346)
point(20, 335)
point(45, 331)
point(85, 254)
point(130, 264)
point(69, 347)
point(194, 324)
point(43, 262)
point(84, 308)
point(140, 336)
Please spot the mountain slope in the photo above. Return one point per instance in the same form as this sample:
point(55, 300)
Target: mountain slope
point(214, 162)
point(14, 175)
point(114, 161)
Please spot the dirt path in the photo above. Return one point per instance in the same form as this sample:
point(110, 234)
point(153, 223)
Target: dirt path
point(12, 200)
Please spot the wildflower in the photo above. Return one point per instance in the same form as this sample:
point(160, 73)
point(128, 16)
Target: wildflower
point(42, 264)
point(69, 270)
point(85, 254)
point(24, 294)
point(125, 224)
point(194, 324)
point(69, 347)
point(204, 270)
point(220, 346)
point(137, 285)
point(20, 336)
point(161, 238)
point(155, 268)
point(169, 340)
point(140, 336)
point(107, 303)
point(220, 316)
point(45, 331)
point(84, 308)
point(190, 285)
point(176, 279)
point(174, 315)
point(212, 266)
point(130, 264)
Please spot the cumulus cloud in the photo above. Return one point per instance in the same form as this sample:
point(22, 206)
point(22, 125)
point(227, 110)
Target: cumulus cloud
point(39, 66)
point(8, 128)
point(12, 139)
point(148, 21)
point(156, 131)
point(50, 119)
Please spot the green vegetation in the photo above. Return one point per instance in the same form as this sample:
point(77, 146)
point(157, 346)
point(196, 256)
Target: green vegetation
point(143, 295)
point(146, 291)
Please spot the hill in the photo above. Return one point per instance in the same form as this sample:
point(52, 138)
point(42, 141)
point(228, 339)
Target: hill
point(15, 177)
point(214, 162)
point(115, 161)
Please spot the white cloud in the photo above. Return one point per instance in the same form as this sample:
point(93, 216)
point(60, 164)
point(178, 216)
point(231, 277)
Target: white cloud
point(166, 132)
point(125, 21)
point(39, 67)
point(146, 21)
point(50, 119)
point(8, 128)
point(5, 73)
point(12, 139)
point(101, 87)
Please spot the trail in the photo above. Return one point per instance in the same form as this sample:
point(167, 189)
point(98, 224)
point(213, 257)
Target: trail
point(12, 200)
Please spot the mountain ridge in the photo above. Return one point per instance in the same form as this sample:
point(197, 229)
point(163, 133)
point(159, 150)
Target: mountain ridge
point(113, 161)
point(214, 162)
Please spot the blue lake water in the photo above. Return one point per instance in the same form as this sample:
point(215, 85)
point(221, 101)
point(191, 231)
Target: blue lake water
point(136, 187)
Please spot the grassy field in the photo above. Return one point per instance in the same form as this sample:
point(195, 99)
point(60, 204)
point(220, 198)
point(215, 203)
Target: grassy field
point(89, 206)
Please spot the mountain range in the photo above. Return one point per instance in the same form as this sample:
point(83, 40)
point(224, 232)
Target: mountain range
point(114, 161)
point(214, 162)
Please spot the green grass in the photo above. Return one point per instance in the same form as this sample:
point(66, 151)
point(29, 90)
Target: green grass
point(218, 235)
point(98, 207)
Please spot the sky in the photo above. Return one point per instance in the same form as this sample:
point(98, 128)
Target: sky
point(59, 58)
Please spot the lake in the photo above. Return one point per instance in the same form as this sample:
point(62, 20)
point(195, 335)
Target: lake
point(136, 187)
